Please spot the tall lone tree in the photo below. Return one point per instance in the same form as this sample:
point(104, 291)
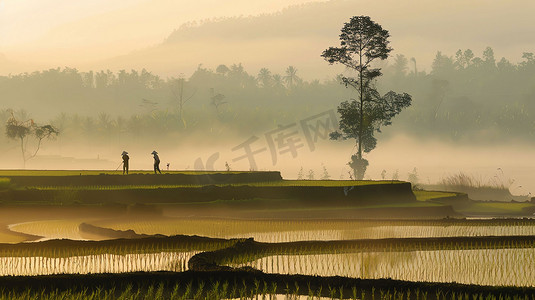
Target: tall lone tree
point(363, 41)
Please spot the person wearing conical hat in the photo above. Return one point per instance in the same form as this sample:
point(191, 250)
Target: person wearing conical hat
point(156, 162)
point(126, 158)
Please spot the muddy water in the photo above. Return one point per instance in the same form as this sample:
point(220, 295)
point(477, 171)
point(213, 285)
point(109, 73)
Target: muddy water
point(512, 267)
point(106, 263)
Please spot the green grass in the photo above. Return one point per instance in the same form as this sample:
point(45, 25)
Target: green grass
point(325, 183)
point(431, 195)
point(250, 286)
point(283, 183)
point(388, 205)
point(497, 207)
point(9, 173)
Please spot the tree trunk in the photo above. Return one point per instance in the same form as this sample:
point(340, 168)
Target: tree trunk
point(358, 164)
point(23, 155)
point(359, 153)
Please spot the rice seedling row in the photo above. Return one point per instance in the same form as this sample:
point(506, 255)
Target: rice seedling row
point(497, 267)
point(249, 250)
point(104, 263)
point(276, 231)
point(243, 285)
point(69, 248)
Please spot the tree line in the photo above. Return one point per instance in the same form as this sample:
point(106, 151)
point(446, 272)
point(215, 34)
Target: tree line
point(464, 97)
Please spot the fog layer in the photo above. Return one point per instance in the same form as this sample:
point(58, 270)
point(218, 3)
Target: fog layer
point(206, 93)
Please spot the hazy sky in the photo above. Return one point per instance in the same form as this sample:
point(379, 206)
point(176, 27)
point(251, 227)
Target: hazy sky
point(37, 34)
point(38, 29)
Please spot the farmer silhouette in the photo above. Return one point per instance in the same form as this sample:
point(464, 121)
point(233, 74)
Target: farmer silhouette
point(126, 158)
point(156, 162)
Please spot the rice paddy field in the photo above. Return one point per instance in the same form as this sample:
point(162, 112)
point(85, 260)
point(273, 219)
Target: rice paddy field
point(103, 263)
point(54, 229)
point(497, 267)
point(201, 251)
point(276, 231)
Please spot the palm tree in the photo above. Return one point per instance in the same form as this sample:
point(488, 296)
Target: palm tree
point(291, 77)
point(278, 83)
point(264, 77)
point(104, 121)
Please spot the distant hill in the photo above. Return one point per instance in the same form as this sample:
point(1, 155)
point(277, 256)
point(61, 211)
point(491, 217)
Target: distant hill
point(297, 35)
point(294, 36)
point(294, 22)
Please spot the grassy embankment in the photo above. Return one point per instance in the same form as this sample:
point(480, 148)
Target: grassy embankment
point(10, 173)
point(495, 189)
point(68, 191)
point(469, 207)
point(54, 211)
point(37, 187)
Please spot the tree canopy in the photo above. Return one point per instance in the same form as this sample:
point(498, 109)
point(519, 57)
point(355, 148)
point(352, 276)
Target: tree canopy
point(361, 42)
point(23, 130)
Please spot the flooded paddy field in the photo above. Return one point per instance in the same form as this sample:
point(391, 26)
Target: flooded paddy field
point(497, 267)
point(276, 231)
point(90, 264)
point(475, 252)
point(245, 248)
point(55, 229)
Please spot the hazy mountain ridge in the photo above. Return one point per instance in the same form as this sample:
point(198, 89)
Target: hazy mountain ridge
point(289, 37)
point(298, 34)
point(295, 21)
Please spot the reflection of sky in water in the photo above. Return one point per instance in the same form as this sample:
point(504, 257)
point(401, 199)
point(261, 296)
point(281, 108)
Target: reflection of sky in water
point(383, 232)
point(299, 230)
point(486, 266)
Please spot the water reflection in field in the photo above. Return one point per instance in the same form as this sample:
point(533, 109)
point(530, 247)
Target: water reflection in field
point(514, 267)
point(55, 229)
point(275, 231)
point(105, 263)
point(383, 232)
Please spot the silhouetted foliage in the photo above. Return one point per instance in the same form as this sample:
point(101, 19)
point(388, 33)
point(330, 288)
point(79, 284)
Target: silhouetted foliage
point(362, 41)
point(23, 130)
